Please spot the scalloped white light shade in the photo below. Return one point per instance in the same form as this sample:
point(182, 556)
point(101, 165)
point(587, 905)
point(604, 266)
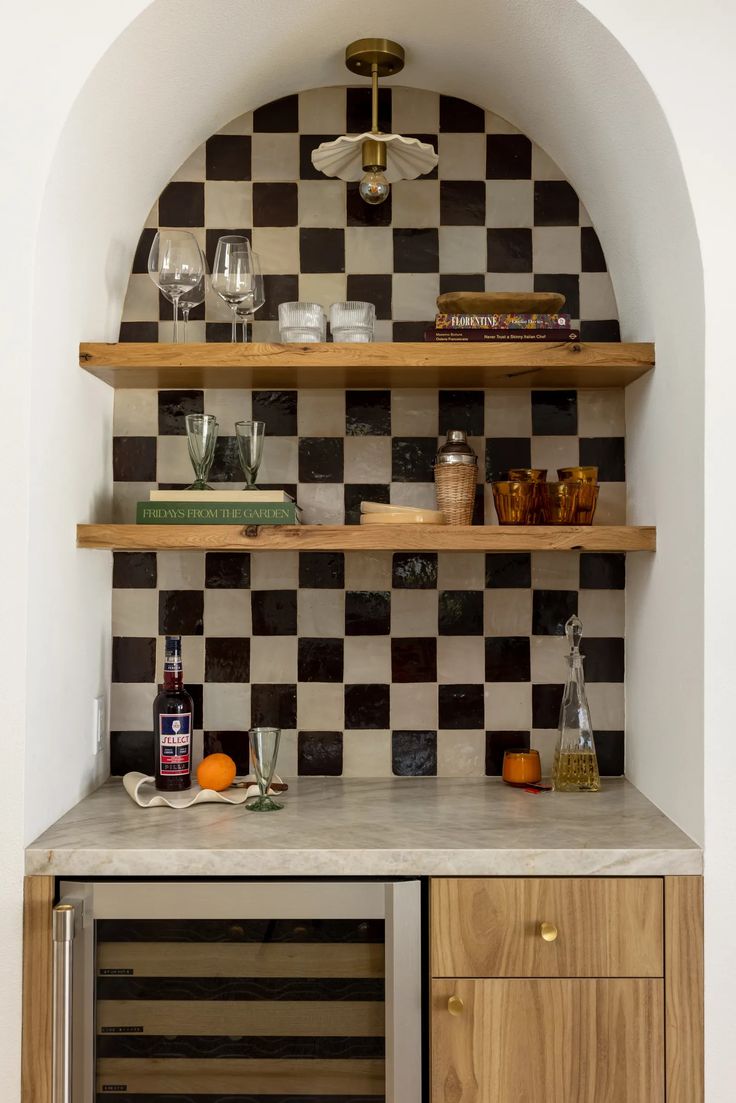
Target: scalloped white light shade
point(406, 158)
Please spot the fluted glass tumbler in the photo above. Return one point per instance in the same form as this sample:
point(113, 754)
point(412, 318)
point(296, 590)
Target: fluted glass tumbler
point(201, 441)
point(264, 749)
point(250, 436)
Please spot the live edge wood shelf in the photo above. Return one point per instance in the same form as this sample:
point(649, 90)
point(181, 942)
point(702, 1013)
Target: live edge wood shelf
point(400, 364)
point(471, 538)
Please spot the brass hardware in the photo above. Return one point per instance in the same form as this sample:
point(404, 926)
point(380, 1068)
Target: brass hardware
point(362, 55)
point(548, 931)
point(374, 154)
point(455, 1005)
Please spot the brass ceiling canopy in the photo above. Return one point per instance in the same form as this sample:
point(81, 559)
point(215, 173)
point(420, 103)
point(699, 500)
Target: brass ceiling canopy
point(364, 53)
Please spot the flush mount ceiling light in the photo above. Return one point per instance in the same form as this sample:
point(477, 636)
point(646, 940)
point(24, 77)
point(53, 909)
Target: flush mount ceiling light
point(374, 158)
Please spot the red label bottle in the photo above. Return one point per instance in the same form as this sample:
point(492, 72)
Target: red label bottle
point(172, 724)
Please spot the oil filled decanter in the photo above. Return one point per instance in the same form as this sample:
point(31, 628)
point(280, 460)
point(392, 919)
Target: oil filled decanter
point(576, 765)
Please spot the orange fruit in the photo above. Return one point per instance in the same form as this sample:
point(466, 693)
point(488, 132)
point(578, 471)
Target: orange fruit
point(216, 771)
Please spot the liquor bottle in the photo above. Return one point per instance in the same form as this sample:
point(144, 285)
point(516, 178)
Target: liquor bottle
point(172, 724)
point(575, 767)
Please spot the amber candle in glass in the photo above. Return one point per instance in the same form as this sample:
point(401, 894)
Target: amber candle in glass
point(522, 767)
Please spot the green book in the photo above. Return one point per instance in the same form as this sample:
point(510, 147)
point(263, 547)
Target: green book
point(217, 513)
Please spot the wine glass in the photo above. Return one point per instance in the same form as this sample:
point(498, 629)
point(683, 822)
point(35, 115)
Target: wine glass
point(250, 436)
point(201, 440)
point(175, 264)
point(232, 273)
point(194, 296)
point(255, 299)
point(264, 746)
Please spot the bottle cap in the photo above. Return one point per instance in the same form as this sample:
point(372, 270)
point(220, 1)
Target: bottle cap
point(456, 449)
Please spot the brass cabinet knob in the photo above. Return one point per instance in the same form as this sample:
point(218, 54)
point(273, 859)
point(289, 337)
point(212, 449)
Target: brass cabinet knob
point(548, 931)
point(455, 1005)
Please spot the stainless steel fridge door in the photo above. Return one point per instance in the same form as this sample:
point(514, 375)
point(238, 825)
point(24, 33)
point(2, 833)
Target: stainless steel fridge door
point(330, 969)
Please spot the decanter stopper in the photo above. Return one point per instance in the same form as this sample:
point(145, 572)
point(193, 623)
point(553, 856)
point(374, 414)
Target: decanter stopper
point(574, 632)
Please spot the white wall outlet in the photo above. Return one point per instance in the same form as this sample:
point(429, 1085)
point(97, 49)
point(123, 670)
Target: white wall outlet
point(98, 724)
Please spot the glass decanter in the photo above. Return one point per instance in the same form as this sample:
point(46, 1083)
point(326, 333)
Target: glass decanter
point(575, 767)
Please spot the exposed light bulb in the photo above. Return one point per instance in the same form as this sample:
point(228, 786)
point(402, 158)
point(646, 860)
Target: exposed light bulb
point(374, 187)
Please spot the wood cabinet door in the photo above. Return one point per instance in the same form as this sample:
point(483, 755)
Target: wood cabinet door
point(548, 1041)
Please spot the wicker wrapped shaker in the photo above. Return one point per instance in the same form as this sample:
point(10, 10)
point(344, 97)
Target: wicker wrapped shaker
point(455, 478)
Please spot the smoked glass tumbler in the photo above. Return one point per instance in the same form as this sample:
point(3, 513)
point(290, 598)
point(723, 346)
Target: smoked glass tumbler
point(201, 441)
point(264, 749)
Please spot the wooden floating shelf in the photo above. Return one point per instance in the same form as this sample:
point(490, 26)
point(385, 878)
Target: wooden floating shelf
point(399, 364)
point(470, 538)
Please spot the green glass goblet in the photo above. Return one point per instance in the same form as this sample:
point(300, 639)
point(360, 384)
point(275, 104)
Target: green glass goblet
point(264, 747)
point(250, 436)
point(201, 441)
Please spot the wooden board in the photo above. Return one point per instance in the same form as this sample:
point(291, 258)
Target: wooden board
point(683, 942)
point(253, 1018)
point(555, 1041)
point(400, 364)
point(38, 901)
point(477, 538)
point(188, 1076)
point(251, 959)
point(490, 927)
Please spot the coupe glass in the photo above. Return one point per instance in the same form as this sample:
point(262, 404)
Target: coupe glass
point(264, 748)
point(256, 298)
point(201, 440)
point(232, 274)
point(250, 436)
point(176, 265)
point(190, 299)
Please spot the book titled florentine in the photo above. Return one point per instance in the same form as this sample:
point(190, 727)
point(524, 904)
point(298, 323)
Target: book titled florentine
point(489, 336)
point(217, 513)
point(502, 321)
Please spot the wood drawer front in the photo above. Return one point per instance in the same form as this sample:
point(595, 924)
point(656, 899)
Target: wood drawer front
point(490, 927)
point(548, 1041)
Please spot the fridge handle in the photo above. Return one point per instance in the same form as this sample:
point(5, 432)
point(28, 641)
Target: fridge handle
point(61, 1029)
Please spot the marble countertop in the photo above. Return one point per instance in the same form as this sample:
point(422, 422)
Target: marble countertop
point(354, 827)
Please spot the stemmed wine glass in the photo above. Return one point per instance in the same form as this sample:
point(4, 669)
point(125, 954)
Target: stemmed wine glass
point(250, 436)
point(193, 297)
point(232, 273)
point(201, 441)
point(255, 299)
point(264, 747)
point(176, 265)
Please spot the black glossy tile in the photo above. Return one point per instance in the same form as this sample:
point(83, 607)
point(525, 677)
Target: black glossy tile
point(374, 289)
point(134, 570)
point(592, 258)
point(227, 570)
point(321, 570)
point(320, 659)
point(367, 613)
point(564, 283)
point(173, 407)
point(460, 613)
point(181, 204)
point(412, 459)
point(555, 203)
point(218, 333)
point(604, 658)
point(367, 413)
point(307, 144)
point(462, 203)
point(508, 571)
point(497, 743)
point(180, 612)
point(166, 311)
point(277, 117)
point(609, 749)
point(414, 571)
point(355, 493)
point(227, 659)
point(233, 743)
point(214, 233)
point(416, 250)
point(273, 706)
point(273, 612)
point(509, 249)
point(546, 701)
point(463, 281)
point(600, 330)
point(367, 706)
point(275, 204)
point(554, 414)
point(360, 213)
point(134, 459)
point(319, 754)
point(461, 707)
point(358, 109)
point(226, 463)
point(133, 659)
point(131, 332)
point(508, 659)
point(462, 410)
point(142, 249)
point(414, 753)
point(131, 750)
point(228, 157)
point(195, 691)
point(278, 410)
point(460, 116)
point(321, 460)
point(602, 571)
point(479, 506)
point(408, 331)
point(608, 454)
point(414, 659)
point(321, 250)
point(505, 452)
point(551, 609)
point(508, 157)
point(277, 289)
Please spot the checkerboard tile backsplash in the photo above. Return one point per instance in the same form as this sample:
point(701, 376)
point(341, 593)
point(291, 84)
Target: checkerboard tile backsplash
point(372, 664)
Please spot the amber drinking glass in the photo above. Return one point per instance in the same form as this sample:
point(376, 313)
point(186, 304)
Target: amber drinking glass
point(528, 474)
point(559, 503)
point(516, 502)
point(522, 767)
point(578, 474)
